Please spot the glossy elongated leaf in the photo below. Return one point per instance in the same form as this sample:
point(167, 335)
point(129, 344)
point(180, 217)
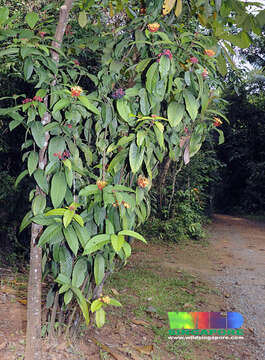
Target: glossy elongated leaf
point(82, 303)
point(50, 233)
point(79, 272)
point(62, 103)
point(28, 68)
point(152, 77)
point(164, 66)
point(58, 189)
point(135, 157)
point(82, 19)
point(31, 19)
point(68, 217)
point(20, 177)
point(79, 219)
point(56, 146)
point(82, 234)
point(38, 204)
point(38, 133)
point(178, 9)
point(124, 109)
point(117, 242)
point(144, 103)
point(89, 190)
point(100, 317)
point(191, 104)
point(66, 261)
point(96, 243)
point(26, 221)
point(142, 65)
point(32, 162)
point(41, 180)
point(84, 101)
point(132, 234)
point(4, 12)
point(71, 239)
point(96, 305)
point(168, 6)
point(175, 113)
point(68, 296)
point(99, 268)
point(127, 249)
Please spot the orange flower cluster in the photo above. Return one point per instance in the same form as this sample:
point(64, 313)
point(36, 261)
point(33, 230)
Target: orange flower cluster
point(124, 203)
point(76, 91)
point(142, 181)
point(204, 73)
point(105, 299)
point(209, 52)
point(153, 27)
point(101, 184)
point(217, 121)
point(195, 189)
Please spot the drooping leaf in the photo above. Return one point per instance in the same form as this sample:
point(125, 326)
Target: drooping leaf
point(41, 180)
point(175, 113)
point(38, 204)
point(79, 272)
point(100, 317)
point(84, 101)
point(132, 234)
point(135, 157)
point(178, 9)
point(96, 243)
point(20, 177)
point(191, 104)
point(82, 19)
point(56, 146)
point(168, 6)
point(32, 162)
point(58, 189)
point(82, 234)
point(31, 19)
point(68, 217)
point(50, 233)
point(99, 268)
point(62, 103)
point(38, 133)
point(28, 68)
point(71, 239)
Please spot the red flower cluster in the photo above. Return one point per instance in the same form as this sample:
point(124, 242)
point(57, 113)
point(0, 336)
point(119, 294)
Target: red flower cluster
point(194, 60)
point(76, 62)
point(69, 126)
point(68, 30)
point(66, 154)
point(37, 98)
point(42, 34)
point(27, 100)
point(167, 53)
point(118, 94)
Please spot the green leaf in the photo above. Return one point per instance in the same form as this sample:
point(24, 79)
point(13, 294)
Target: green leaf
point(142, 65)
point(82, 234)
point(41, 180)
point(38, 133)
point(100, 317)
point(79, 219)
point(4, 13)
point(99, 268)
point(82, 19)
point(42, 220)
point(124, 109)
point(89, 190)
point(115, 302)
point(56, 145)
point(96, 305)
point(79, 272)
point(164, 66)
point(84, 101)
point(66, 262)
point(68, 217)
point(32, 162)
point(51, 232)
point(151, 77)
point(135, 157)
point(27, 219)
point(117, 242)
point(191, 104)
point(96, 243)
point(63, 279)
point(31, 19)
point(83, 304)
point(71, 239)
point(132, 234)
point(127, 249)
point(20, 177)
point(62, 103)
point(28, 68)
point(38, 204)
point(55, 212)
point(58, 189)
point(175, 113)
point(68, 296)
point(109, 227)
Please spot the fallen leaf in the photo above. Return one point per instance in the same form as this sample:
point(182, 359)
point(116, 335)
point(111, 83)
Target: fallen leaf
point(145, 349)
point(115, 292)
point(22, 301)
point(140, 322)
point(3, 345)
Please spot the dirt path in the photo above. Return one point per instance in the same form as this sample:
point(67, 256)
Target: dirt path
point(233, 263)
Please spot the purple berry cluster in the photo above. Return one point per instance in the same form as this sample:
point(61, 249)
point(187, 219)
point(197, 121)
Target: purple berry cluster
point(118, 94)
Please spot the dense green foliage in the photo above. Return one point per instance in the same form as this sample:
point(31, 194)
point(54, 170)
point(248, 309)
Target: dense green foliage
point(122, 95)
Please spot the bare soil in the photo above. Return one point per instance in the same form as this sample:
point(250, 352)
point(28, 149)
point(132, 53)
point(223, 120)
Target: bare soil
point(232, 264)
